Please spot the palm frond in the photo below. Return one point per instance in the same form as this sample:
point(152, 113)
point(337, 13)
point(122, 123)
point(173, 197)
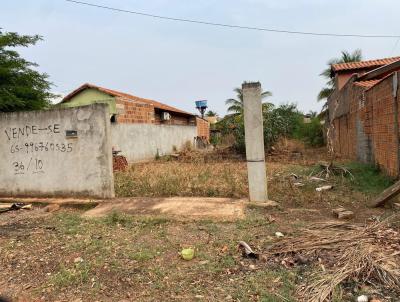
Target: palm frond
point(266, 94)
point(235, 109)
point(325, 93)
point(232, 102)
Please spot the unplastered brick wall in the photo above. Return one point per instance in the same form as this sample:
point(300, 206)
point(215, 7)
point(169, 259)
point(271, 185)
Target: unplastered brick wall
point(384, 133)
point(203, 128)
point(366, 128)
point(348, 125)
point(135, 112)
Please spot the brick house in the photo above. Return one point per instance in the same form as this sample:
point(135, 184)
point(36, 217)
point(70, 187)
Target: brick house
point(363, 119)
point(126, 108)
point(141, 127)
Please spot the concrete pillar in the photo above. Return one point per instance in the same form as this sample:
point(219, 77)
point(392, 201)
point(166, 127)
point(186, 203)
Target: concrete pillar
point(254, 137)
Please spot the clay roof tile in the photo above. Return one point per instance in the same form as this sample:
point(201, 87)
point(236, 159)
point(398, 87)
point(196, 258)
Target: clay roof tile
point(130, 97)
point(363, 64)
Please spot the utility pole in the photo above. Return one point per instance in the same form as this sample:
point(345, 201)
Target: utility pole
point(254, 137)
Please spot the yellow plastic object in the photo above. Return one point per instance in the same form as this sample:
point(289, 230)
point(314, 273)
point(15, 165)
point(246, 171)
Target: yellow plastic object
point(187, 254)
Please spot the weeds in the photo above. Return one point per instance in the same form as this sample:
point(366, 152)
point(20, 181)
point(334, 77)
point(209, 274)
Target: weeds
point(165, 179)
point(143, 255)
point(115, 218)
point(368, 178)
point(69, 223)
point(75, 276)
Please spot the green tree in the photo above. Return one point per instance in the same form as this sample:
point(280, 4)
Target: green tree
point(346, 57)
point(21, 86)
point(211, 113)
point(236, 105)
point(281, 121)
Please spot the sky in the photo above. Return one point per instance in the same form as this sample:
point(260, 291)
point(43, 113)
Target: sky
point(179, 63)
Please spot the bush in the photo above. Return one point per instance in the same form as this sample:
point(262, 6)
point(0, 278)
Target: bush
point(311, 133)
point(278, 121)
point(283, 121)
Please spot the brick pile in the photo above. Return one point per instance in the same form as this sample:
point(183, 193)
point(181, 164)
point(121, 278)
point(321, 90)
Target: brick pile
point(119, 163)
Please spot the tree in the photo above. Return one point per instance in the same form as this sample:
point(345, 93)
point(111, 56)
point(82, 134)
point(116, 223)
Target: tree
point(211, 113)
point(236, 105)
point(346, 57)
point(21, 87)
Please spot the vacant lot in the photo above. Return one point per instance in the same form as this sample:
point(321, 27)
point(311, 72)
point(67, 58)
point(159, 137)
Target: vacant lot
point(63, 257)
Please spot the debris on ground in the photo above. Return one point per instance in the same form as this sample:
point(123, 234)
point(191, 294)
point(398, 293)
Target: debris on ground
point(396, 206)
point(279, 235)
point(362, 298)
point(119, 162)
point(386, 195)
point(341, 253)
point(318, 179)
point(324, 188)
point(329, 169)
point(14, 207)
point(51, 208)
point(78, 260)
point(187, 254)
point(247, 251)
point(342, 213)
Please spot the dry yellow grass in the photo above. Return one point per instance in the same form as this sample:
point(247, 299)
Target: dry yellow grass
point(163, 179)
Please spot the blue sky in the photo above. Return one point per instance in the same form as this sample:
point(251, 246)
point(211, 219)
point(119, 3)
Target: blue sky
point(178, 63)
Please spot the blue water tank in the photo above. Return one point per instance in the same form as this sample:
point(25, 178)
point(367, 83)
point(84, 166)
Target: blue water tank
point(201, 104)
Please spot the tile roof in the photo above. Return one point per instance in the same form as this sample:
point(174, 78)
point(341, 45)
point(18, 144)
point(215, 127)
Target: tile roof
point(115, 93)
point(363, 64)
point(367, 84)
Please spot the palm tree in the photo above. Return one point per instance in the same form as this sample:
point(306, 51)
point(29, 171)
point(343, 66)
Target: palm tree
point(346, 57)
point(211, 113)
point(236, 105)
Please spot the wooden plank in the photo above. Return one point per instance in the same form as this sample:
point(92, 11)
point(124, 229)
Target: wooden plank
point(386, 195)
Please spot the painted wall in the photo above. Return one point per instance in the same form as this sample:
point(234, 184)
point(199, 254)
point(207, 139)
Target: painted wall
point(141, 141)
point(91, 96)
point(38, 158)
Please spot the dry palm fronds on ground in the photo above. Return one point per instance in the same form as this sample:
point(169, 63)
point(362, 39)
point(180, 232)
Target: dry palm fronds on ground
point(344, 253)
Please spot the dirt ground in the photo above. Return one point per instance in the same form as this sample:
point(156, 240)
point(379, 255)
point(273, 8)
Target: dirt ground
point(62, 256)
point(178, 208)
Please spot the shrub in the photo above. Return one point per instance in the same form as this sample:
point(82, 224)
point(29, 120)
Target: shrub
point(278, 121)
point(283, 121)
point(311, 133)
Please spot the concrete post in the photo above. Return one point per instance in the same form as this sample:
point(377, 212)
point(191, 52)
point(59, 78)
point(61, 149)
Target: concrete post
point(254, 137)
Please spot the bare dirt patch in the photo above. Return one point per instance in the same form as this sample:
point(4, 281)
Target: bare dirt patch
point(178, 208)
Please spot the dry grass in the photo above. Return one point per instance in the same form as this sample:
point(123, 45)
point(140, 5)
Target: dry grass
point(163, 179)
point(345, 253)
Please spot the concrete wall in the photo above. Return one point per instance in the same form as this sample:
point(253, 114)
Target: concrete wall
point(141, 141)
point(38, 159)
